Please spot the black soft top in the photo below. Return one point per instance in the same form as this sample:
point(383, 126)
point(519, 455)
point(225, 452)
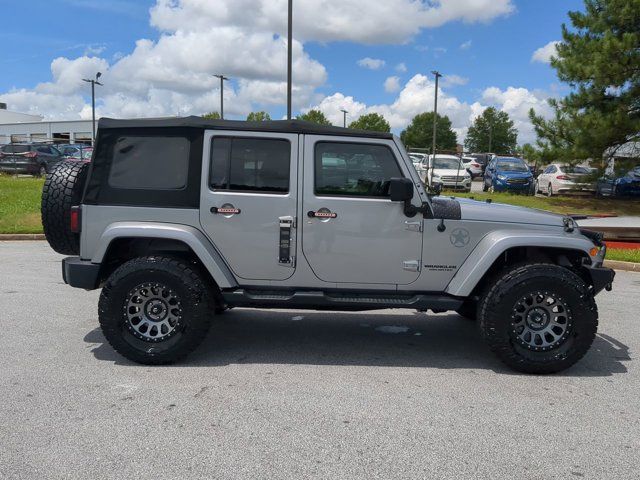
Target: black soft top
point(282, 126)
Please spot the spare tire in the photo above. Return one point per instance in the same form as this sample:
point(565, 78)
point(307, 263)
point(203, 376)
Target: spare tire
point(62, 190)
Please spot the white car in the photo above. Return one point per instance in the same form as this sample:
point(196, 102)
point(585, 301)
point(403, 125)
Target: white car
point(473, 166)
point(558, 178)
point(445, 171)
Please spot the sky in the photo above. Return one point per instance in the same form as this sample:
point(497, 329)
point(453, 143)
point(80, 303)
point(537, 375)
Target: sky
point(158, 57)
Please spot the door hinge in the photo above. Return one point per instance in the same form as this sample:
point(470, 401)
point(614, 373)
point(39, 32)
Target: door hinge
point(413, 226)
point(411, 265)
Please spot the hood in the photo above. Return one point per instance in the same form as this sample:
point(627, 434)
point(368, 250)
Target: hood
point(500, 212)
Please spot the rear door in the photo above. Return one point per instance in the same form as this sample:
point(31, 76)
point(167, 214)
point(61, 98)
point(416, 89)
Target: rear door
point(248, 201)
point(352, 232)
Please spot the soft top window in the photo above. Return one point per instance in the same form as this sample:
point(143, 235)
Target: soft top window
point(149, 162)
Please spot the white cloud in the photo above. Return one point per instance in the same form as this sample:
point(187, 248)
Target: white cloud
point(392, 84)
point(451, 80)
point(517, 102)
point(401, 67)
point(371, 63)
point(465, 45)
point(198, 38)
point(544, 54)
point(417, 96)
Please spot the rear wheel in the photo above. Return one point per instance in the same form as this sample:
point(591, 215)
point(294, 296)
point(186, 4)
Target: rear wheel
point(156, 310)
point(42, 171)
point(549, 190)
point(538, 318)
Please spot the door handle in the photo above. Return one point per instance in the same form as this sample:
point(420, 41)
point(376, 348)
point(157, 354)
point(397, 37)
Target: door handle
point(225, 210)
point(322, 213)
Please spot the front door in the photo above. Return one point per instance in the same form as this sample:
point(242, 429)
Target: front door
point(248, 201)
point(351, 231)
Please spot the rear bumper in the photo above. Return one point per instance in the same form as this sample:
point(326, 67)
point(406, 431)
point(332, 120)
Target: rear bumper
point(80, 273)
point(601, 278)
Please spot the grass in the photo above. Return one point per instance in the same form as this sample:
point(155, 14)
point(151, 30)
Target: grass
point(570, 204)
point(20, 204)
point(623, 255)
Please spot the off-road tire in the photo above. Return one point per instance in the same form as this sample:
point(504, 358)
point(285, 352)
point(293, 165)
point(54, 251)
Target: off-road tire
point(496, 313)
point(196, 305)
point(62, 190)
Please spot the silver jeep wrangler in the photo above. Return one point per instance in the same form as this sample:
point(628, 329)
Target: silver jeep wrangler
point(179, 219)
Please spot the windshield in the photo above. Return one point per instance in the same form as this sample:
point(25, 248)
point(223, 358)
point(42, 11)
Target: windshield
point(511, 166)
point(447, 163)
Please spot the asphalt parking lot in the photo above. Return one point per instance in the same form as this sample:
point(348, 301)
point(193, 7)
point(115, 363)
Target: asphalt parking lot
point(282, 394)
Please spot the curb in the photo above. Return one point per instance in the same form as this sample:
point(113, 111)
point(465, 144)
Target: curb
point(618, 265)
point(22, 236)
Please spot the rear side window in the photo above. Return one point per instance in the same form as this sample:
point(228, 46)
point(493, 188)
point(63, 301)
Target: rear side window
point(149, 163)
point(354, 169)
point(250, 164)
point(15, 149)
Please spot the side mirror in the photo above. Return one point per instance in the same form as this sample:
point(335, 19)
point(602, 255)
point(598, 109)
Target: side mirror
point(400, 189)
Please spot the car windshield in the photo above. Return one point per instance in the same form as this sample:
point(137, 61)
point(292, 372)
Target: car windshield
point(512, 166)
point(447, 163)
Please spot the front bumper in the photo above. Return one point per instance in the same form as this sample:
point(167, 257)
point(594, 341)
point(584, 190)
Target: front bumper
point(80, 273)
point(601, 278)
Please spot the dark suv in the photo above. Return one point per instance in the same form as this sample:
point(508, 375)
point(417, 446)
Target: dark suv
point(30, 158)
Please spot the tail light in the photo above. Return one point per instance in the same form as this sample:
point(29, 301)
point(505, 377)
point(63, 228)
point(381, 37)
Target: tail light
point(74, 220)
point(476, 165)
point(562, 177)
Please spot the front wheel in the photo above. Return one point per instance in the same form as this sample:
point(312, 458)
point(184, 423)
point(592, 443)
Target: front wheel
point(538, 318)
point(156, 310)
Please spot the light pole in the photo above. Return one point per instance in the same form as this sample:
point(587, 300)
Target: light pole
point(93, 83)
point(344, 117)
point(222, 79)
point(435, 110)
point(435, 124)
point(289, 56)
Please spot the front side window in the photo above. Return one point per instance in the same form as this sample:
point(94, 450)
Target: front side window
point(149, 163)
point(250, 164)
point(354, 169)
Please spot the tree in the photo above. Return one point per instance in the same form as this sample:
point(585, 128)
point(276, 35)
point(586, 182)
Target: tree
point(493, 131)
point(211, 116)
point(371, 121)
point(419, 133)
point(258, 117)
point(599, 57)
point(314, 116)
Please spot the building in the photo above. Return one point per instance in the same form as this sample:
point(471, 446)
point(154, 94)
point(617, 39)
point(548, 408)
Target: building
point(22, 127)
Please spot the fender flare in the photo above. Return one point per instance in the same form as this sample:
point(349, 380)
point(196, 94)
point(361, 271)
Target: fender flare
point(194, 238)
point(497, 242)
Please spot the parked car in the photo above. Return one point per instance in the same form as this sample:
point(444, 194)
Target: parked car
point(473, 166)
point(445, 171)
point(341, 224)
point(482, 158)
point(627, 185)
point(558, 178)
point(30, 158)
point(508, 174)
point(76, 151)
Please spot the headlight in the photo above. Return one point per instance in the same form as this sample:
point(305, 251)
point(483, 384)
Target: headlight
point(502, 177)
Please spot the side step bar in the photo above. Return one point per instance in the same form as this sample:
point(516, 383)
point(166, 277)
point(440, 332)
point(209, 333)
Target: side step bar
point(353, 301)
